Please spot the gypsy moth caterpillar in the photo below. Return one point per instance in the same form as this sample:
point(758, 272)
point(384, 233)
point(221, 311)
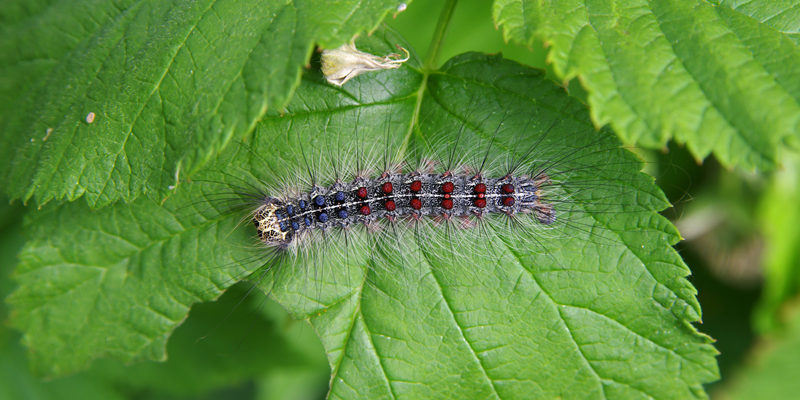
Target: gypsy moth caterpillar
point(461, 307)
point(545, 187)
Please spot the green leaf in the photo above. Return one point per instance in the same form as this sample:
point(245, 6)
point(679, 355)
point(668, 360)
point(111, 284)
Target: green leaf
point(721, 78)
point(291, 385)
point(597, 305)
point(113, 276)
point(16, 381)
point(216, 349)
point(169, 83)
point(10, 243)
point(195, 367)
point(273, 344)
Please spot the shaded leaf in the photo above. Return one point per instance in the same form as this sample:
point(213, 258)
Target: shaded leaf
point(16, 380)
point(215, 350)
point(169, 84)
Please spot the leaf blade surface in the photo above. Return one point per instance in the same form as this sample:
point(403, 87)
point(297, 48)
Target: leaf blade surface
point(598, 307)
point(720, 78)
point(169, 83)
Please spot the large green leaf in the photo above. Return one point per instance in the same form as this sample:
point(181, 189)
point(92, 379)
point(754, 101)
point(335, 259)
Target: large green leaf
point(16, 380)
point(721, 77)
point(596, 306)
point(170, 83)
point(205, 355)
point(195, 366)
point(275, 346)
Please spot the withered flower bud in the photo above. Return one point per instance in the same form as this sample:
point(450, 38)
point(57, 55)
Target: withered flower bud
point(346, 62)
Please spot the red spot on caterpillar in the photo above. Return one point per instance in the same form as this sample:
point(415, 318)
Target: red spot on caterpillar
point(508, 201)
point(447, 204)
point(481, 195)
point(362, 193)
point(447, 195)
point(416, 204)
point(387, 188)
point(480, 203)
point(416, 186)
point(448, 187)
point(507, 188)
point(389, 205)
point(365, 210)
point(480, 188)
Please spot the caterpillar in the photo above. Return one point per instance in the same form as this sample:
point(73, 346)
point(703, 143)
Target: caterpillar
point(333, 206)
point(414, 195)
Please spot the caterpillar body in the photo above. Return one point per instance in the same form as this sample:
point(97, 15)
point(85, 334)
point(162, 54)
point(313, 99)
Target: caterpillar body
point(412, 195)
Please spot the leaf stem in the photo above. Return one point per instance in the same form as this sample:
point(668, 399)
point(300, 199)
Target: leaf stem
point(438, 36)
point(429, 64)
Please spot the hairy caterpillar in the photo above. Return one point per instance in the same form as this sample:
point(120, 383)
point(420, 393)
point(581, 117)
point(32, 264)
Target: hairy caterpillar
point(453, 193)
point(347, 203)
point(447, 306)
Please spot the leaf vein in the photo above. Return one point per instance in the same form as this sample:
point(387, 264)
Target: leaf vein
point(461, 330)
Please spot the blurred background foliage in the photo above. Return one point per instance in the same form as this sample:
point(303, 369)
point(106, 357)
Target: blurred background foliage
point(742, 232)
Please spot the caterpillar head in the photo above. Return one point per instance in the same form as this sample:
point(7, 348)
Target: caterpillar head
point(271, 225)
